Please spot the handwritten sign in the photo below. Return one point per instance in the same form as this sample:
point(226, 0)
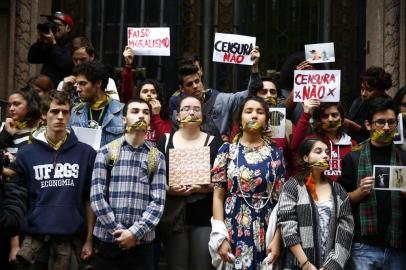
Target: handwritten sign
point(276, 124)
point(234, 49)
point(149, 41)
point(189, 166)
point(321, 84)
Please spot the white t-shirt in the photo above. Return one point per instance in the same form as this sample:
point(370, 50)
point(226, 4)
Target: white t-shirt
point(111, 89)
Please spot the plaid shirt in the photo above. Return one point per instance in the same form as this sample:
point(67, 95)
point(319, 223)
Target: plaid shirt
point(135, 201)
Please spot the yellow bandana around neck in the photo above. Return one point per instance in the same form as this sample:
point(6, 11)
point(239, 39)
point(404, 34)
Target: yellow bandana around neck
point(57, 145)
point(20, 124)
point(100, 104)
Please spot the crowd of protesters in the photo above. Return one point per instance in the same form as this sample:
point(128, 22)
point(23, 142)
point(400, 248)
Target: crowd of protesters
point(303, 201)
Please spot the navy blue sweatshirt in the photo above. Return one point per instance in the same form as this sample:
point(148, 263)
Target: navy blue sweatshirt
point(58, 183)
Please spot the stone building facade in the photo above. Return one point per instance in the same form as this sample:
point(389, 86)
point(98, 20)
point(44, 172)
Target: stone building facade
point(385, 38)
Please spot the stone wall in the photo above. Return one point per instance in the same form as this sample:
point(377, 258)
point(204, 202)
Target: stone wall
point(385, 38)
point(19, 33)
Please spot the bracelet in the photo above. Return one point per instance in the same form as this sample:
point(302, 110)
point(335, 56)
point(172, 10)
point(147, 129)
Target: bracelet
point(303, 264)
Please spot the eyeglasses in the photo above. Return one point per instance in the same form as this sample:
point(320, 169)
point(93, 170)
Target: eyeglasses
point(383, 122)
point(188, 109)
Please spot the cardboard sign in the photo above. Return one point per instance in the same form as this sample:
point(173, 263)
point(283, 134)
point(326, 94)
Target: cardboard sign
point(399, 138)
point(276, 124)
point(321, 84)
point(320, 52)
point(90, 136)
point(390, 177)
point(149, 41)
point(189, 166)
point(233, 49)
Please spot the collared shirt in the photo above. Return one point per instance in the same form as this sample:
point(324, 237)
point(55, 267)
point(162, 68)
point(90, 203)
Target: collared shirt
point(130, 199)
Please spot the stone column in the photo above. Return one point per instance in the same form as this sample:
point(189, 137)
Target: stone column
point(391, 42)
point(385, 38)
point(24, 17)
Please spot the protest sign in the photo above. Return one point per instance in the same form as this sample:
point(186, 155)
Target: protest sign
point(189, 166)
point(321, 84)
point(90, 136)
point(276, 124)
point(399, 137)
point(234, 49)
point(390, 177)
point(320, 52)
point(149, 41)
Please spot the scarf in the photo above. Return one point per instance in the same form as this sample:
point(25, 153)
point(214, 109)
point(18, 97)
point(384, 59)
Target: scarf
point(368, 206)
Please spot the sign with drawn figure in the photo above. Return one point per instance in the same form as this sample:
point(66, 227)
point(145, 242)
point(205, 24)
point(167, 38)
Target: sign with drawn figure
point(399, 137)
point(189, 166)
point(233, 49)
point(320, 52)
point(149, 41)
point(277, 120)
point(390, 177)
point(321, 84)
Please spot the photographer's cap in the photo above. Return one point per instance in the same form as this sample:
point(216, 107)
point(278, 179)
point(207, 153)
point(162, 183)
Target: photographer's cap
point(65, 18)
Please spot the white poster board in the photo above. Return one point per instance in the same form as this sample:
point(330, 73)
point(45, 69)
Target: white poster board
point(149, 41)
point(233, 49)
point(320, 52)
point(399, 138)
point(390, 177)
point(277, 122)
point(90, 136)
point(321, 84)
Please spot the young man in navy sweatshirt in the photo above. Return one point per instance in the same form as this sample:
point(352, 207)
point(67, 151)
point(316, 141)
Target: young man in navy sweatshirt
point(56, 169)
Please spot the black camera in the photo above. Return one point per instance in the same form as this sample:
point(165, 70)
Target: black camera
point(47, 27)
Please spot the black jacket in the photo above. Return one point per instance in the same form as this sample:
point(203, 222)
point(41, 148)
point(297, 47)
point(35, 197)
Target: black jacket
point(12, 207)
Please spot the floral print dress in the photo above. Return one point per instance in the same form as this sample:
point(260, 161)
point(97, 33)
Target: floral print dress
point(252, 178)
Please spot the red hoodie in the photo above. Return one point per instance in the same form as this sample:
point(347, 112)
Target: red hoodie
point(337, 150)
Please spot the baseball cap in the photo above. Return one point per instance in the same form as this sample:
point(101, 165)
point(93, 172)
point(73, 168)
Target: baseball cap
point(61, 16)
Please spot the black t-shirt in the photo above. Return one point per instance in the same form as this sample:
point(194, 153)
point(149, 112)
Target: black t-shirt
point(349, 175)
point(98, 115)
point(197, 213)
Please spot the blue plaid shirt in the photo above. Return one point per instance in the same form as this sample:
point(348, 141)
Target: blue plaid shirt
point(135, 201)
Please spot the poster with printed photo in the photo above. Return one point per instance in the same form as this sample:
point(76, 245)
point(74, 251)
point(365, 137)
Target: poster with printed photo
point(277, 120)
point(320, 52)
point(390, 177)
point(399, 137)
point(189, 166)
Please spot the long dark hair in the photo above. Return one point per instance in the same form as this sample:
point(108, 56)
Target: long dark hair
point(398, 98)
point(160, 96)
point(238, 114)
point(318, 113)
point(304, 176)
point(33, 104)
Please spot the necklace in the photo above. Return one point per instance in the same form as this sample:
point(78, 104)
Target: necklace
point(239, 182)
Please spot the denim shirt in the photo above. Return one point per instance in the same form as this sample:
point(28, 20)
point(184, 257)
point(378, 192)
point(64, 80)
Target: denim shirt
point(112, 126)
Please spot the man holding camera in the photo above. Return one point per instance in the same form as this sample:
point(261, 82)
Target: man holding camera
point(51, 47)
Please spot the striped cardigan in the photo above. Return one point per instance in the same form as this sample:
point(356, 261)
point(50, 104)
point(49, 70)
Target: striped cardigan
point(298, 217)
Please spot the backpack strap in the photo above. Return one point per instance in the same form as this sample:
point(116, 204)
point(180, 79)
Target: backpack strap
point(152, 162)
point(113, 154)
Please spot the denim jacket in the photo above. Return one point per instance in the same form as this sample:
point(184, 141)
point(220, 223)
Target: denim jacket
point(112, 126)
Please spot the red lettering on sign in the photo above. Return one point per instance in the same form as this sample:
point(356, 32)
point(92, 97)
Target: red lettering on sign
point(233, 58)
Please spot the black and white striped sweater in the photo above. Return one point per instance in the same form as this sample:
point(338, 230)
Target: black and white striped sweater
point(298, 217)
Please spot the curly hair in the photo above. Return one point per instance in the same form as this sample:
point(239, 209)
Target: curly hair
point(377, 78)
